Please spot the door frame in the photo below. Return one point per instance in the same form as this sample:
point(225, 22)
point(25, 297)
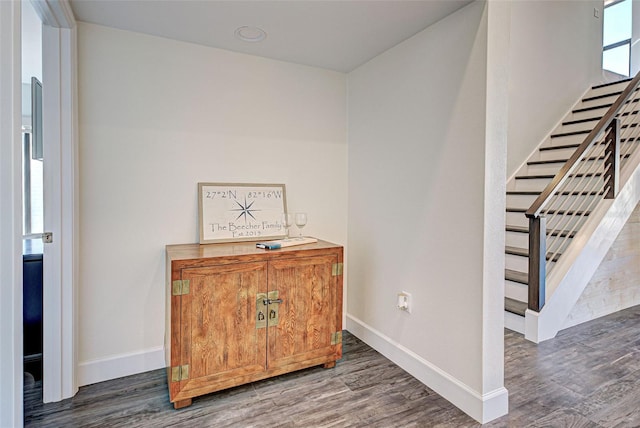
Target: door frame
point(60, 261)
point(11, 377)
point(60, 65)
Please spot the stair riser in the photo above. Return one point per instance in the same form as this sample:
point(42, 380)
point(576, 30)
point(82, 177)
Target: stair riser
point(521, 240)
point(583, 126)
point(565, 154)
point(633, 118)
point(554, 168)
point(628, 146)
point(592, 112)
point(555, 154)
point(566, 139)
point(587, 114)
point(576, 203)
point(517, 219)
point(555, 223)
point(516, 291)
point(543, 169)
point(563, 221)
point(559, 222)
point(599, 101)
point(573, 127)
point(607, 89)
point(519, 263)
point(579, 139)
point(520, 201)
point(565, 202)
point(517, 239)
point(537, 184)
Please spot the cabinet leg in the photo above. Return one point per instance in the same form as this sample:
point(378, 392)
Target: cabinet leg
point(329, 365)
point(182, 403)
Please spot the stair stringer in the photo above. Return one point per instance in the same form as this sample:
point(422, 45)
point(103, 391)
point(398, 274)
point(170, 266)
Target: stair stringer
point(570, 276)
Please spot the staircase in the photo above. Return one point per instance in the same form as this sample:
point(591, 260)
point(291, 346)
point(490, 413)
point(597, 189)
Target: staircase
point(578, 212)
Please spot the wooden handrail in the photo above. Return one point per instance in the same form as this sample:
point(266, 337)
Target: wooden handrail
point(539, 204)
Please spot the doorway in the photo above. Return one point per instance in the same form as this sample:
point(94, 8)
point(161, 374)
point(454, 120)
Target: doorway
point(60, 265)
point(32, 195)
point(59, 190)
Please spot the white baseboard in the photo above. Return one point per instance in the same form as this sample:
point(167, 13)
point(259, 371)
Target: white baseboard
point(514, 322)
point(102, 369)
point(481, 407)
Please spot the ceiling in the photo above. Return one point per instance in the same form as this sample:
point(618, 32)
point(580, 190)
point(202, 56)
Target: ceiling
point(333, 34)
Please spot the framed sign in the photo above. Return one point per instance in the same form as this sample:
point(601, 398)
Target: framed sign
point(231, 212)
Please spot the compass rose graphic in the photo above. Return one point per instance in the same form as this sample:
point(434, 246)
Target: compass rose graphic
point(245, 210)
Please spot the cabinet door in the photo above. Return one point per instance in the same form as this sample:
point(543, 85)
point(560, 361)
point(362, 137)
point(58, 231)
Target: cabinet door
point(219, 338)
point(310, 312)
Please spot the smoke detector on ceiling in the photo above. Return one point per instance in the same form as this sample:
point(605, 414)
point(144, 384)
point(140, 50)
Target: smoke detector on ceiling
point(250, 34)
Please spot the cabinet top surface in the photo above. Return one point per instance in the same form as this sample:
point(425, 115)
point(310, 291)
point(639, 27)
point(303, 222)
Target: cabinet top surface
point(197, 251)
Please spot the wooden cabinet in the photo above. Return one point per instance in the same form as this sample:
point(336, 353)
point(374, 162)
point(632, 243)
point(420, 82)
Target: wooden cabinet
point(237, 314)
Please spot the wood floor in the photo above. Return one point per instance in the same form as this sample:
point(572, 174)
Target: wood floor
point(588, 376)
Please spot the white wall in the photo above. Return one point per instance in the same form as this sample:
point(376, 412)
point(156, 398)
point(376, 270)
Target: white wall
point(158, 116)
point(556, 54)
point(418, 213)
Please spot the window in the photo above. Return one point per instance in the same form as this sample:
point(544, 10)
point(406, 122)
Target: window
point(616, 36)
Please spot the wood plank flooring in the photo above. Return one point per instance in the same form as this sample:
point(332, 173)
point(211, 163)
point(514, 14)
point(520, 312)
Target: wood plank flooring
point(588, 376)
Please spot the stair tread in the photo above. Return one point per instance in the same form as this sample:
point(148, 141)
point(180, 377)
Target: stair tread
point(597, 97)
point(578, 121)
point(630, 140)
point(598, 107)
point(549, 176)
point(515, 306)
point(516, 251)
point(570, 133)
point(549, 161)
point(627, 113)
point(559, 147)
point(534, 176)
point(602, 85)
point(559, 212)
point(576, 145)
point(564, 193)
point(517, 229)
point(523, 192)
point(515, 276)
point(524, 252)
point(524, 229)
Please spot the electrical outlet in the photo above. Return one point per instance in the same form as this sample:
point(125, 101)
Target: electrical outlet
point(404, 301)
